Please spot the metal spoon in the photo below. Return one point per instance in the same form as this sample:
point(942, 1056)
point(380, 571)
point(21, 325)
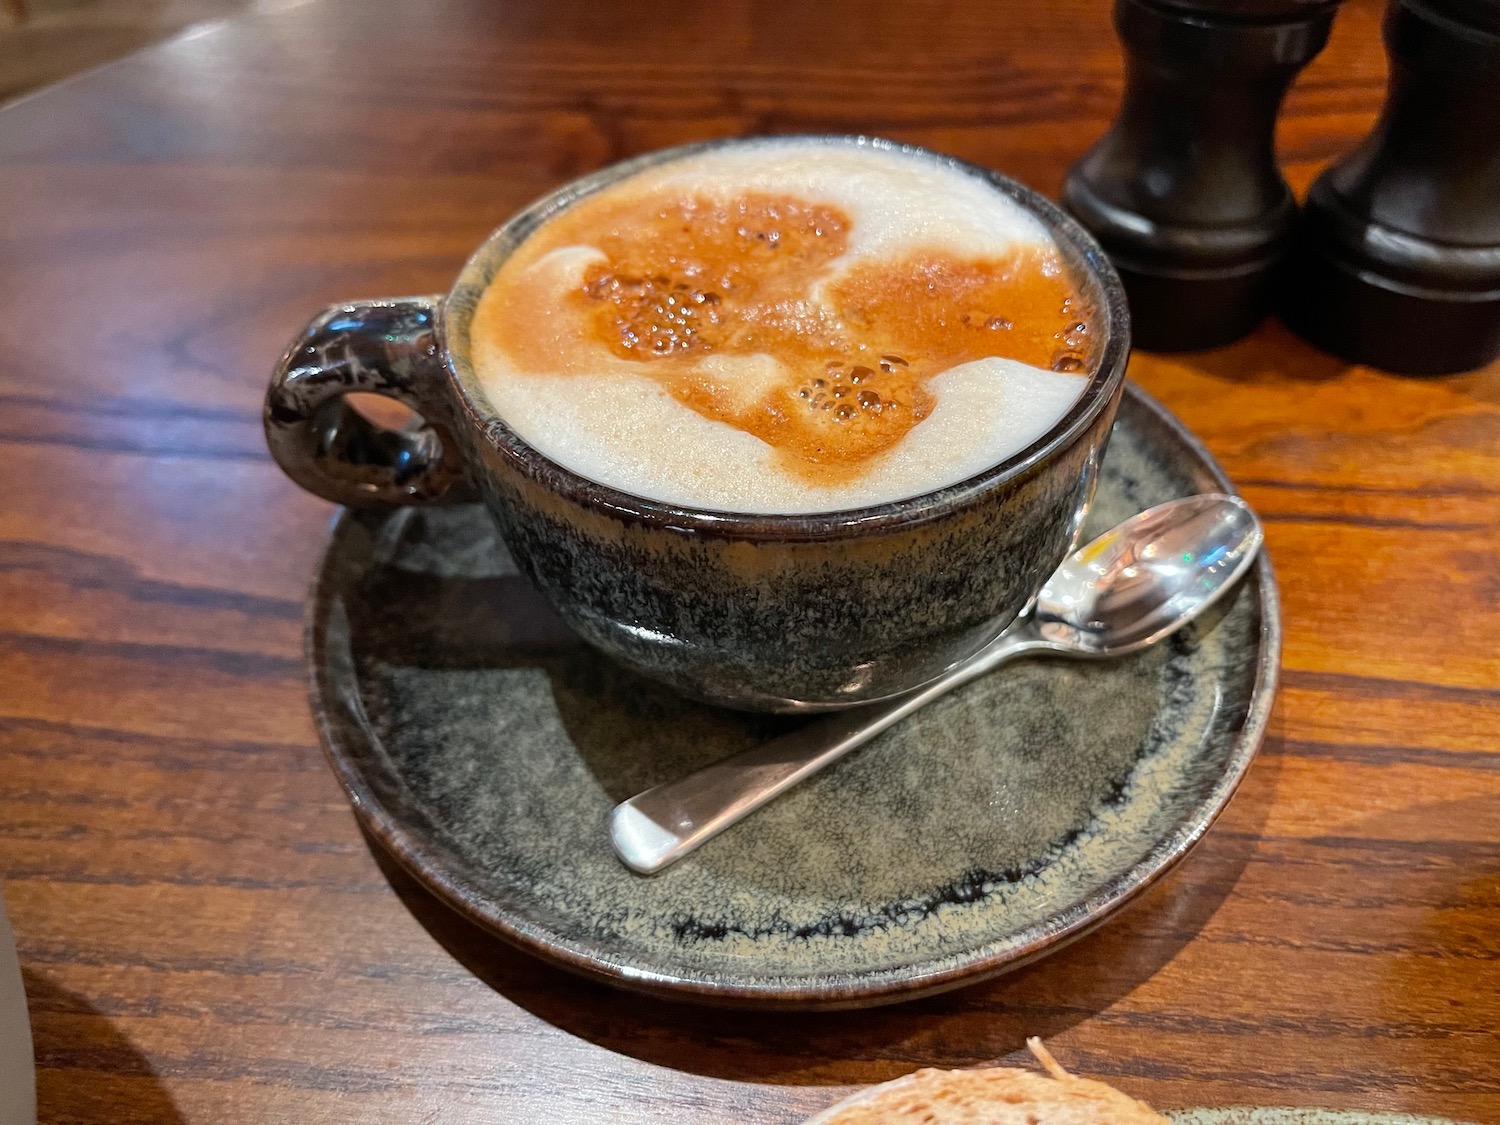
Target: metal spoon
point(1129, 588)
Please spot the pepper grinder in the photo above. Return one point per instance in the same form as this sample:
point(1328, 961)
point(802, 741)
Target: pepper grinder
point(1183, 192)
point(1398, 257)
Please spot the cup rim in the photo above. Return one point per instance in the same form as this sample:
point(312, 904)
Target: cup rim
point(1078, 247)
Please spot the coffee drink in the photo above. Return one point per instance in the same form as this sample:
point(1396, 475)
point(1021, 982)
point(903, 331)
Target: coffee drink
point(785, 326)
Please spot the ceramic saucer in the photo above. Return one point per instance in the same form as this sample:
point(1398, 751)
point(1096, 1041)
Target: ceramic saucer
point(484, 745)
point(1288, 1115)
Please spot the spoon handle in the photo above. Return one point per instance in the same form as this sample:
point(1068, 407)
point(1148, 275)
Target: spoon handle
point(658, 827)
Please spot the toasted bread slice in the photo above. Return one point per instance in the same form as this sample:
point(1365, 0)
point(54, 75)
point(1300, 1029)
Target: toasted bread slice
point(993, 1096)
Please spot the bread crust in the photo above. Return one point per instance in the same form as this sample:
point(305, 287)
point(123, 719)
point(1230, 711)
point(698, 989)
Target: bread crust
point(993, 1096)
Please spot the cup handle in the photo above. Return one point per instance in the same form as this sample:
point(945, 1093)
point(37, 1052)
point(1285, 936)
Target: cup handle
point(385, 347)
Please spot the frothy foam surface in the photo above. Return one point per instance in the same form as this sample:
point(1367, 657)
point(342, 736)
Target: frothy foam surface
point(784, 327)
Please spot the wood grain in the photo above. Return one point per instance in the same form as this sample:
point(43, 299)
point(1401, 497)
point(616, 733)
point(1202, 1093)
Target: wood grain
point(206, 936)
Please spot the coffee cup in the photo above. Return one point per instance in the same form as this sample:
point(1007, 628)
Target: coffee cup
point(767, 611)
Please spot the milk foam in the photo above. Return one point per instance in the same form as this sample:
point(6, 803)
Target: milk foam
point(898, 202)
point(623, 429)
point(629, 433)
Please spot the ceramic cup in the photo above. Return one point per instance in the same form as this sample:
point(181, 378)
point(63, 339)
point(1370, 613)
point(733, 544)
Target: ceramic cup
point(758, 612)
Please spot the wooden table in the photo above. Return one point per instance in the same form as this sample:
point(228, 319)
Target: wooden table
point(206, 936)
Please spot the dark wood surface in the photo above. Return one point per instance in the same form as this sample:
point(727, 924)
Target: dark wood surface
point(205, 935)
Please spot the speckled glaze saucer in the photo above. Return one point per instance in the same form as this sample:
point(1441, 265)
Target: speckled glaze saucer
point(1290, 1115)
point(484, 745)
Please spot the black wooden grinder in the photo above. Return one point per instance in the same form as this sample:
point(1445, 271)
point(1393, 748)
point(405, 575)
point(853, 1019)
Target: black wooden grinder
point(1397, 263)
point(1183, 192)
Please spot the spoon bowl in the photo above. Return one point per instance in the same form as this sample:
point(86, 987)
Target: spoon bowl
point(1137, 583)
point(1149, 576)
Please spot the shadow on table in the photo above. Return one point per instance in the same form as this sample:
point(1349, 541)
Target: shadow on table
point(88, 1073)
point(1272, 351)
point(978, 1024)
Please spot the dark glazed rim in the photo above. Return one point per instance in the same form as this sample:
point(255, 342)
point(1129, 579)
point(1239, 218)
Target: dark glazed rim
point(1079, 250)
point(439, 868)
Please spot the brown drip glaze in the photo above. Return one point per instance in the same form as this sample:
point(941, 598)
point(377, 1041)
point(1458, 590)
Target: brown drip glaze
point(683, 280)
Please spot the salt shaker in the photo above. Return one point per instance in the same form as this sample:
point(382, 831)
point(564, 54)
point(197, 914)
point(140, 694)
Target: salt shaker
point(1183, 192)
point(1397, 261)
